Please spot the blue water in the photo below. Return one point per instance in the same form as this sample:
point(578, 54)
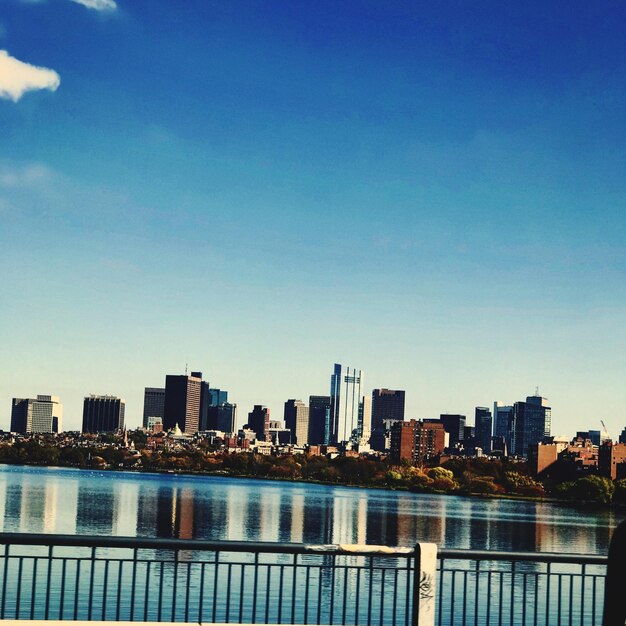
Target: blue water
point(56, 500)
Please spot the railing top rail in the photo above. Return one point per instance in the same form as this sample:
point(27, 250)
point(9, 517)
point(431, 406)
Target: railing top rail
point(97, 541)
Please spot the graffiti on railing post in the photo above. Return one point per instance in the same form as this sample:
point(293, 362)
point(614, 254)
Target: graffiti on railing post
point(425, 570)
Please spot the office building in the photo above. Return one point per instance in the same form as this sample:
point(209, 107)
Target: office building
point(227, 417)
point(482, 428)
point(387, 404)
point(502, 417)
point(153, 404)
point(531, 422)
point(41, 415)
point(259, 422)
point(103, 414)
point(319, 420)
point(416, 441)
point(297, 421)
point(182, 402)
point(622, 437)
point(346, 386)
point(210, 400)
point(454, 425)
point(364, 429)
point(612, 460)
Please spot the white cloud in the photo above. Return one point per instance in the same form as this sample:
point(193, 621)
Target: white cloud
point(24, 176)
point(98, 5)
point(17, 77)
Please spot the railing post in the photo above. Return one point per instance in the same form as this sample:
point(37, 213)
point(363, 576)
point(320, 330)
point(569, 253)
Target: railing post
point(424, 584)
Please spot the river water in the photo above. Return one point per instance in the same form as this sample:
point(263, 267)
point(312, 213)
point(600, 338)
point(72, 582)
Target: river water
point(68, 501)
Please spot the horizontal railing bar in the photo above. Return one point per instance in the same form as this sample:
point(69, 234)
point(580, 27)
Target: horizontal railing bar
point(95, 541)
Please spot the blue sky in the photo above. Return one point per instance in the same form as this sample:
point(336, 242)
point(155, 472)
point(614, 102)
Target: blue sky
point(432, 192)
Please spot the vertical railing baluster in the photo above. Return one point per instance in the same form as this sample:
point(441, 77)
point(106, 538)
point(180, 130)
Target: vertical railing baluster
point(118, 603)
point(512, 599)
point(201, 598)
point(453, 574)
point(306, 596)
point(344, 608)
point(18, 595)
point(371, 590)
point(79, 562)
point(293, 588)
point(188, 591)
point(33, 590)
point(91, 583)
point(62, 599)
point(241, 592)
point(146, 595)
point(48, 583)
point(175, 585)
point(215, 577)
point(382, 595)
point(332, 589)
point(229, 569)
point(133, 584)
point(476, 590)
point(488, 620)
point(548, 577)
point(267, 593)
point(319, 595)
point(161, 585)
point(105, 590)
point(255, 585)
point(524, 581)
point(407, 600)
point(4, 580)
point(583, 573)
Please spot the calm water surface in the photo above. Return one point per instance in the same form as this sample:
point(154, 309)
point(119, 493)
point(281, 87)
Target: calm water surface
point(54, 500)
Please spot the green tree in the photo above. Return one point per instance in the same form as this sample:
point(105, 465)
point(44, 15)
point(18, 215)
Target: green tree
point(592, 489)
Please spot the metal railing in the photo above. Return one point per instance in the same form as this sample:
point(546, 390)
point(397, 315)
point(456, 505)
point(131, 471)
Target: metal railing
point(135, 579)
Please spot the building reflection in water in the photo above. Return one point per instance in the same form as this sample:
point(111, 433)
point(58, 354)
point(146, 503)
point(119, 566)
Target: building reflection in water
point(72, 502)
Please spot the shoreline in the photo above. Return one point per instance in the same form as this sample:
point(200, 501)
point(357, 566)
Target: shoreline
point(582, 506)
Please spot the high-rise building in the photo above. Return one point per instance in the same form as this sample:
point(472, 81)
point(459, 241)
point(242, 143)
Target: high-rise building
point(454, 425)
point(182, 402)
point(297, 421)
point(42, 415)
point(153, 403)
point(319, 420)
point(365, 419)
point(530, 423)
point(227, 417)
point(415, 441)
point(259, 422)
point(502, 418)
point(103, 414)
point(210, 400)
point(482, 427)
point(387, 404)
point(346, 386)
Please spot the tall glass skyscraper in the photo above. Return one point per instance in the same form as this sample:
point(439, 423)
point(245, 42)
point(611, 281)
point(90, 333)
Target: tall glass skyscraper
point(346, 393)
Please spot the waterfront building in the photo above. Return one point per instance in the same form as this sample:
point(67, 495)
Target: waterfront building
point(502, 416)
point(226, 417)
point(259, 422)
point(346, 386)
point(454, 425)
point(41, 415)
point(531, 422)
point(612, 460)
point(364, 429)
point(482, 427)
point(387, 404)
point(153, 404)
point(182, 402)
point(387, 408)
point(297, 421)
point(416, 441)
point(103, 414)
point(319, 420)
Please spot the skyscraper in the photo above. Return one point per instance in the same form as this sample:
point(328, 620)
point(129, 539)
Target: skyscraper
point(182, 402)
point(365, 419)
point(502, 416)
point(531, 422)
point(482, 428)
point(387, 404)
point(43, 415)
point(454, 425)
point(259, 422)
point(297, 421)
point(103, 414)
point(227, 417)
point(346, 385)
point(319, 420)
point(153, 403)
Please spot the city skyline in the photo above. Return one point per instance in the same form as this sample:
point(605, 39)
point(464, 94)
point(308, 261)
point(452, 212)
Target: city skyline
point(431, 193)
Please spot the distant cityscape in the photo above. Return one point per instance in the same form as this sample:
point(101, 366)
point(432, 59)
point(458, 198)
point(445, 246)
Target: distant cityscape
point(348, 420)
